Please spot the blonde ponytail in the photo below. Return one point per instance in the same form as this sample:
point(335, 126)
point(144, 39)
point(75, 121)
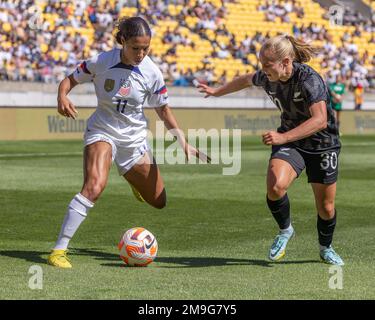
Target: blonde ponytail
point(303, 51)
point(287, 46)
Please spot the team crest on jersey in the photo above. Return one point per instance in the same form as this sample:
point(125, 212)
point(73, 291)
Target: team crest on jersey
point(109, 84)
point(125, 88)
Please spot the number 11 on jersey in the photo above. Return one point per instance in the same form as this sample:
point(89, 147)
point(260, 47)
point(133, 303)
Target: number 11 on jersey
point(121, 104)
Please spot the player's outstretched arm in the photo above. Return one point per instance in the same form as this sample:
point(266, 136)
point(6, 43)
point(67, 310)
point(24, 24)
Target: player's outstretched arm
point(64, 106)
point(166, 115)
point(237, 84)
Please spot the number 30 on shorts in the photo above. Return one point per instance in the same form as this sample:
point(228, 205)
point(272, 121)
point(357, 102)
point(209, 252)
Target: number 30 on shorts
point(329, 159)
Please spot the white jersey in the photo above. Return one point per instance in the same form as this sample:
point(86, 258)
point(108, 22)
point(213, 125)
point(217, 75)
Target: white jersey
point(122, 90)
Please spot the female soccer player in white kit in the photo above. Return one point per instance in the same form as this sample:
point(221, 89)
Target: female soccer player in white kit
point(124, 80)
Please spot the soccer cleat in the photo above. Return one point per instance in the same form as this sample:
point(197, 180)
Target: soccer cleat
point(136, 193)
point(277, 250)
point(329, 256)
point(58, 258)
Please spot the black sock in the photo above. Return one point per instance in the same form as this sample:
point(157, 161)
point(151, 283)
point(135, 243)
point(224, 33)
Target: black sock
point(325, 230)
point(280, 210)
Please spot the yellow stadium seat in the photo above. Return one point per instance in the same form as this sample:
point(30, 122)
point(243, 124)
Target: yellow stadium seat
point(44, 47)
point(7, 27)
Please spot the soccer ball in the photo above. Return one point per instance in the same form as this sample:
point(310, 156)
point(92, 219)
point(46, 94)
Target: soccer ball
point(138, 247)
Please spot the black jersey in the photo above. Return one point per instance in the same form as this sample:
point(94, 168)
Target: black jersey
point(294, 97)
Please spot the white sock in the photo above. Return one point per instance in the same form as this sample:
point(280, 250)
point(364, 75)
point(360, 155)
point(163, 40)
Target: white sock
point(77, 211)
point(290, 229)
point(323, 247)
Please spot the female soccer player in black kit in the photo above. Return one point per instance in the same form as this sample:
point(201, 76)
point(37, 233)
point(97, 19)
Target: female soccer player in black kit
point(307, 137)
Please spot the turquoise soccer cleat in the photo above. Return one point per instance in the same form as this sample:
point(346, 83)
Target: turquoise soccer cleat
point(277, 250)
point(329, 256)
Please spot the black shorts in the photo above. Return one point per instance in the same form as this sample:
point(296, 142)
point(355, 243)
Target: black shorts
point(320, 167)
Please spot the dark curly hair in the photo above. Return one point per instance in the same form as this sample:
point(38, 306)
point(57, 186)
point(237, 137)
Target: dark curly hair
point(131, 27)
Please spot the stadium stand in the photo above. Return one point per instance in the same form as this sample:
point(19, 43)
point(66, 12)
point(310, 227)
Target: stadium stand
point(211, 40)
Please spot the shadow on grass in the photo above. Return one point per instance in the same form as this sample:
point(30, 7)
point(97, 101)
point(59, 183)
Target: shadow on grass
point(202, 262)
point(113, 260)
point(30, 256)
point(41, 256)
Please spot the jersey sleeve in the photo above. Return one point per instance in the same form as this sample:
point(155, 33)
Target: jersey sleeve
point(314, 90)
point(85, 72)
point(158, 95)
point(259, 79)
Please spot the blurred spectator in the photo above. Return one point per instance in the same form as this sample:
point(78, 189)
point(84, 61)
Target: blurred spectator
point(358, 96)
point(337, 90)
point(223, 78)
point(280, 9)
point(205, 76)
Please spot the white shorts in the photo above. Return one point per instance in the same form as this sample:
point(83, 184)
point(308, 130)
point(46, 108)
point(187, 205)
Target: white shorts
point(124, 155)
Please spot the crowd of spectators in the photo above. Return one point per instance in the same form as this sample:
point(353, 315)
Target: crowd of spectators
point(30, 46)
point(280, 9)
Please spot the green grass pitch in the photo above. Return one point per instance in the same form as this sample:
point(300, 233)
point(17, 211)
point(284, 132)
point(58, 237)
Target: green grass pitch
point(213, 236)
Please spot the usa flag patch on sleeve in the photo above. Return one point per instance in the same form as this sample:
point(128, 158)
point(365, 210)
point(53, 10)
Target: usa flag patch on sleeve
point(162, 90)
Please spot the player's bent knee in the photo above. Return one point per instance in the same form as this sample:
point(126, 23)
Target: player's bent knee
point(328, 210)
point(276, 191)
